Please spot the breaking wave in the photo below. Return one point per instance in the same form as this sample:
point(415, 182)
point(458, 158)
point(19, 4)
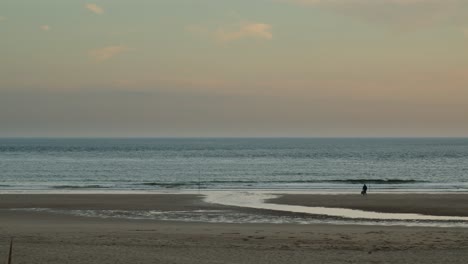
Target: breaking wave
point(79, 187)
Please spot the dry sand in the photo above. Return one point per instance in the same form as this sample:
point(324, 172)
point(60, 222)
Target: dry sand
point(42, 237)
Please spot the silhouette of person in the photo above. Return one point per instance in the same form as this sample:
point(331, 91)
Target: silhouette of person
point(364, 190)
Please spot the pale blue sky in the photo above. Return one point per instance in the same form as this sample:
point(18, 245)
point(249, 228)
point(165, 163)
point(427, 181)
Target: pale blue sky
point(234, 68)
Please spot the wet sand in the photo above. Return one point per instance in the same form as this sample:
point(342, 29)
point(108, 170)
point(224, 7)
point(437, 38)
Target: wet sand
point(427, 204)
point(163, 202)
point(42, 237)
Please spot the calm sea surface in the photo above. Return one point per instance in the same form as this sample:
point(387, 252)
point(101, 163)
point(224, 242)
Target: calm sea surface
point(155, 164)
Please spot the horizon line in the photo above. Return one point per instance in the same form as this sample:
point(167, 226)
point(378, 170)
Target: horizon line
point(234, 137)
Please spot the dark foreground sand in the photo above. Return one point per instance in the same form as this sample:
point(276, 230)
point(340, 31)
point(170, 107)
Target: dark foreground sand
point(54, 238)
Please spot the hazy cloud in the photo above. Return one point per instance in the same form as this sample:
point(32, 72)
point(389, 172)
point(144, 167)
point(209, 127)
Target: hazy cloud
point(94, 8)
point(2, 18)
point(106, 53)
point(246, 30)
point(45, 27)
point(234, 32)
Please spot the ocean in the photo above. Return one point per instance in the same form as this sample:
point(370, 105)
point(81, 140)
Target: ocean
point(315, 164)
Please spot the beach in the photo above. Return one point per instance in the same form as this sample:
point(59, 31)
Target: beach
point(51, 237)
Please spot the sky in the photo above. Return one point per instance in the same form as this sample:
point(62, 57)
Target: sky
point(243, 68)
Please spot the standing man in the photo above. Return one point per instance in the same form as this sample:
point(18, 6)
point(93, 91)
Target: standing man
point(364, 190)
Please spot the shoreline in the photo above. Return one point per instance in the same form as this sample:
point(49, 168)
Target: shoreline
point(374, 207)
point(171, 191)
